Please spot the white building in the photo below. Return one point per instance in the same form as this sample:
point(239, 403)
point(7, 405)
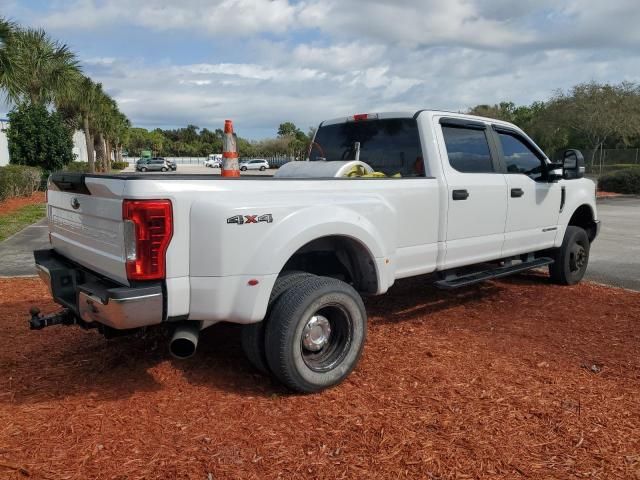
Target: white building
point(79, 144)
point(4, 146)
point(80, 147)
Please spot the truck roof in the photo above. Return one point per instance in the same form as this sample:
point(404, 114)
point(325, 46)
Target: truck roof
point(414, 114)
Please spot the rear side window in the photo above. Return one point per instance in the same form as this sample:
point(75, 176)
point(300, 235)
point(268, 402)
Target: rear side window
point(390, 146)
point(468, 149)
point(519, 158)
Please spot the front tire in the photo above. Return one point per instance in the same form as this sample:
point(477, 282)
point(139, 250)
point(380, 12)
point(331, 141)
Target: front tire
point(262, 169)
point(244, 169)
point(315, 334)
point(143, 169)
point(572, 258)
point(252, 335)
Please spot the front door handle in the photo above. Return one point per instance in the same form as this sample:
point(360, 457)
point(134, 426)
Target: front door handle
point(460, 194)
point(516, 192)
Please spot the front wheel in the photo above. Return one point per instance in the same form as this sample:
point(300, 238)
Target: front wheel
point(315, 334)
point(143, 169)
point(571, 259)
point(244, 169)
point(262, 169)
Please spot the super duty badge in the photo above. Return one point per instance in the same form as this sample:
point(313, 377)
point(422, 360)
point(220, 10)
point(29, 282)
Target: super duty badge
point(244, 219)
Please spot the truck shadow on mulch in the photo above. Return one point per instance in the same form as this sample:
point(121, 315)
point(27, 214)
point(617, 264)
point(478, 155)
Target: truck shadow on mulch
point(61, 362)
point(418, 297)
point(66, 362)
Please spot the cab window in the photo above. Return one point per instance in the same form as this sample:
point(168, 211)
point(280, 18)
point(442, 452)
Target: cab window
point(519, 157)
point(468, 149)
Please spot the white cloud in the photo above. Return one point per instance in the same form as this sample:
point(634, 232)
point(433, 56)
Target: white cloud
point(339, 57)
point(102, 61)
point(259, 96)
point(312, 59)
point(217, 17)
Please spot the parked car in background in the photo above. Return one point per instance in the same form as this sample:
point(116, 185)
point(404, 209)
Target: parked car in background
point(152, 165)
point(255, 164)
point(213, 162)
point(171, 164)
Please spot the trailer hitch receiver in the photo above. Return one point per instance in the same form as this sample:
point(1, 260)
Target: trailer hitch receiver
point(39, 321)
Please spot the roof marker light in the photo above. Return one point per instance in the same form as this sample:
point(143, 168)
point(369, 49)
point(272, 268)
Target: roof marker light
point(358, 117)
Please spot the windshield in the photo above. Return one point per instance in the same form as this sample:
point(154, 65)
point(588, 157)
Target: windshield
point(390, 146)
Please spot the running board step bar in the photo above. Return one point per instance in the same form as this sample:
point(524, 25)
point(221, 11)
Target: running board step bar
point(452, 282)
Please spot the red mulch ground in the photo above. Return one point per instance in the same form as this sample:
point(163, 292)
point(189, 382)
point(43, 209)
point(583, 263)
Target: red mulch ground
point(13, 204)
point(511, 379)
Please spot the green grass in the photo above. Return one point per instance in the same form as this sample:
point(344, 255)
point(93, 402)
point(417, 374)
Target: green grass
point(15, 221)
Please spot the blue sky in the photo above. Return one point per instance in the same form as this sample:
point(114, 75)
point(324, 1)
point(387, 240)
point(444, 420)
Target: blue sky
point(261, 62)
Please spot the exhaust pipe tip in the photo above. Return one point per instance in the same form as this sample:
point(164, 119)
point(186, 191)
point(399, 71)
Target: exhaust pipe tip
point(184, 342)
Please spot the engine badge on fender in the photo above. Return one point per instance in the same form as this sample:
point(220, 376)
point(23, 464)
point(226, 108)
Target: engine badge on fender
point(244, 219)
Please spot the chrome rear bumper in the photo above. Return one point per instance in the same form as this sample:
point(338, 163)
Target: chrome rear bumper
point(94, 299)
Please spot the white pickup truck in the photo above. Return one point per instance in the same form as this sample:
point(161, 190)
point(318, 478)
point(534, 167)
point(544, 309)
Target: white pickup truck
point(462, 197)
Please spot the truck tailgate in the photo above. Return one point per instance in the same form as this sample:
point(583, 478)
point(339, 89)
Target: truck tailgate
point(85, 222)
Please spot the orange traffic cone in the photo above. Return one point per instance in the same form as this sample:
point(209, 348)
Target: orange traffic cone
point(230, 166)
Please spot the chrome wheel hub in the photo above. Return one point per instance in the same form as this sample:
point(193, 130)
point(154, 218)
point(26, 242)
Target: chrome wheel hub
point(577, 258)
point(316, 333)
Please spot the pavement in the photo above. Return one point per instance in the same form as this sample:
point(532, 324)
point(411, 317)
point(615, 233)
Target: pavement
point(16, 252)
point(614, 260)
point(615, 255)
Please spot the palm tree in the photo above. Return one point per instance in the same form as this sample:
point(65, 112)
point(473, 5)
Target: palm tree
point(79, 106)
point(36, 70)
point(123, 126)
point(7, 77)
point(41, 70)
point(101, 124)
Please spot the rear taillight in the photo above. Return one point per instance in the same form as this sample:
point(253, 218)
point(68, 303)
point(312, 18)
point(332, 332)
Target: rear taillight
point(148, 227)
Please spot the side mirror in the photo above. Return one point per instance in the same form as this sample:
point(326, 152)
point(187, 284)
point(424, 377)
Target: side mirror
point(573, 164)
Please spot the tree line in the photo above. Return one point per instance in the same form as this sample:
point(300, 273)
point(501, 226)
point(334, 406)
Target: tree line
point(192, 141)
point(588, 116)
point(52, 98)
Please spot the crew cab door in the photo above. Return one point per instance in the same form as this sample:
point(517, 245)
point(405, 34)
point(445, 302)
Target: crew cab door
point(533, 202)
point(476, 192)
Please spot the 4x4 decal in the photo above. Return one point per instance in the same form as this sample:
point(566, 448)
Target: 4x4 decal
point(243, 219)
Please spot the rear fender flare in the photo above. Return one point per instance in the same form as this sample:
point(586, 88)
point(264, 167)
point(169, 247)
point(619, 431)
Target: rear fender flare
point(312, 223)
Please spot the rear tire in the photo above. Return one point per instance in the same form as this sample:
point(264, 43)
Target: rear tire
point(315, 334)
point(252, 335)
point(143, 169)
point(164, 169)
point(572, 258)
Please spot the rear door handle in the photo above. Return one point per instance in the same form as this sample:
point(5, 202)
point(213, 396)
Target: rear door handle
point(460, 195)
point(517, 192)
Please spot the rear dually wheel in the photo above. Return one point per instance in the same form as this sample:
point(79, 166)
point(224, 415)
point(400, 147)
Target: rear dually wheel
point(315, 334)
